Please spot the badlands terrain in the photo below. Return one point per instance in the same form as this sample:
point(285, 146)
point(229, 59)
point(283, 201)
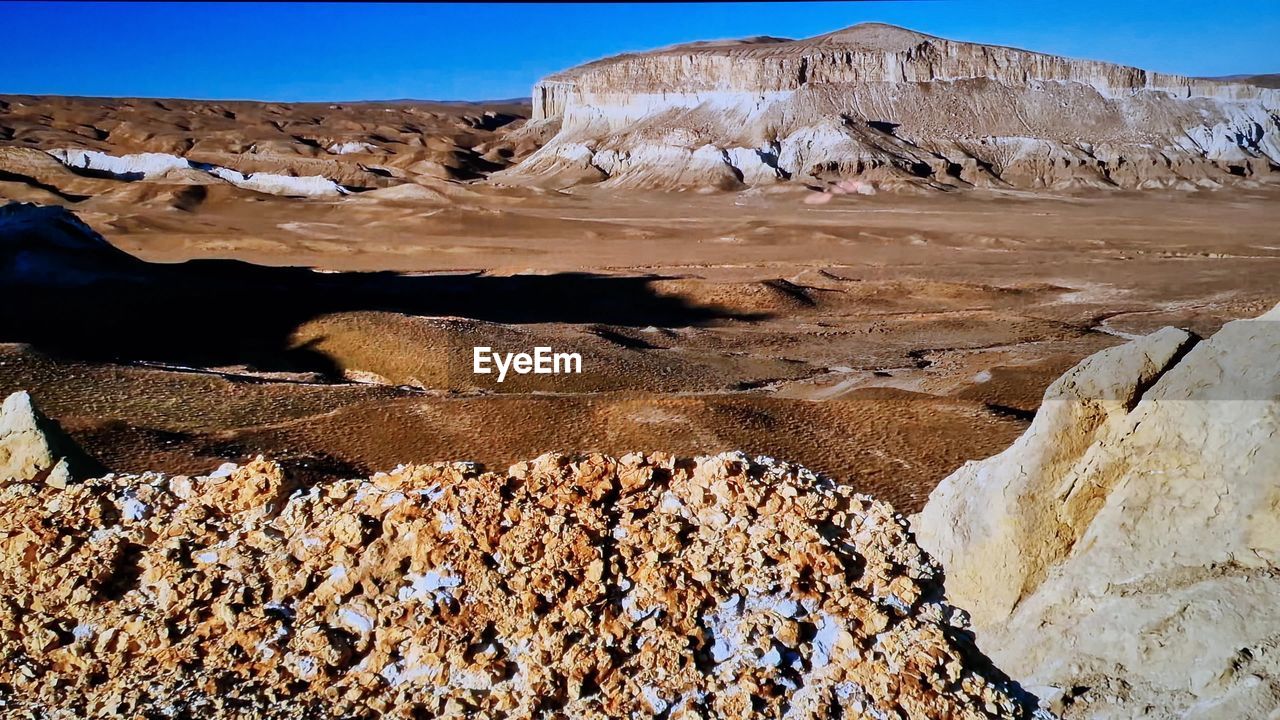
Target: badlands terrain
point(874, 253)
point(869, 252)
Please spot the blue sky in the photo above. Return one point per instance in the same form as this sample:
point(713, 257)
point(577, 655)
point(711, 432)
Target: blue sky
point(336, 51)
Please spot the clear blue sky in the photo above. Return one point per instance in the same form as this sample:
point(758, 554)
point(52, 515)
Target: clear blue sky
point(339, 51)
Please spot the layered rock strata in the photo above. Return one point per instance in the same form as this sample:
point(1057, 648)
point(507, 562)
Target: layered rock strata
point(565, 587)
point(1123, 556)
point(897, 108)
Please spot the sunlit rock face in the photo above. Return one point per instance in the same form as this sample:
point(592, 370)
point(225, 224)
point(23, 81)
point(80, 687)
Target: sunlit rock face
point(33, 448)
point(896, 107)
point(564, 587)
point(1122, 558)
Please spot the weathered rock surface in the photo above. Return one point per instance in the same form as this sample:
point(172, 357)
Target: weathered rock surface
point(1008, 518)
point(153, 166)
point(1124, 554)
point(897, 108)
point(33, 448)
point(564, 587)
point(321, 151)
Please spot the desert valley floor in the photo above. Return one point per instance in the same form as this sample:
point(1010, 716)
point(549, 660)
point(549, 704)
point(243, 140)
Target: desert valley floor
point(881, 339)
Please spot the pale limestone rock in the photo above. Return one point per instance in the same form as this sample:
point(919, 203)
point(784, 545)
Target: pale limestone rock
point(897, 108)
point(154, 166)
point(998, 525)
point(33, 447)
point(1134, 552)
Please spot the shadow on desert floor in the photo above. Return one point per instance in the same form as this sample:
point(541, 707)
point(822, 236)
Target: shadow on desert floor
point(79, 297)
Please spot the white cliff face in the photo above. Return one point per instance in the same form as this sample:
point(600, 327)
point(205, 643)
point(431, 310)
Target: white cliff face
point(899, 107)
point(1123, 556)
point(153, 166)
point(272, 184)
point(350, 147)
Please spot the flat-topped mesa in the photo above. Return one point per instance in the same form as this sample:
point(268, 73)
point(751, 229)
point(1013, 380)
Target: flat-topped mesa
point(868, 52)
point(803, 109)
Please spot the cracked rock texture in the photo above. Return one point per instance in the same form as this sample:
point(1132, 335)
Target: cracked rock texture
point(897, 108)
point(1122, 558)
point(587, 586)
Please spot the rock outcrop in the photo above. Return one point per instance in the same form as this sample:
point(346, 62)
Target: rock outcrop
point(1123, 556)
point(897, 108)
point(155, 166)
point(564, 587)
point(33, 448)
point(325, 152)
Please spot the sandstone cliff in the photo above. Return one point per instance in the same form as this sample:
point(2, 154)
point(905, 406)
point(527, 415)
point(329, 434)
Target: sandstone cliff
point(1123, 556)
point(896, 107)
point(564, 587)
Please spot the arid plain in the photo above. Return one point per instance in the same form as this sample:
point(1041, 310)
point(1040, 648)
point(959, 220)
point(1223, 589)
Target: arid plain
point(883, 339)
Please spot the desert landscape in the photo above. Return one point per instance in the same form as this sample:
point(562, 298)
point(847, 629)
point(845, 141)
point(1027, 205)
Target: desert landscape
point(874, 253)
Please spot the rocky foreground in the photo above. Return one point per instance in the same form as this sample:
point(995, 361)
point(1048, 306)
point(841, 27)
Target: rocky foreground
point(564, 587)
point(898, 109)
point(1120, 560)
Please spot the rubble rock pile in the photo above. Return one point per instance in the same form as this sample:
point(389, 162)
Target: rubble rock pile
point(585, 586)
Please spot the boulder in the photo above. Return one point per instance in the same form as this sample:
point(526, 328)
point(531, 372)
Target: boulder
point(1123, 556)
point(34, 448)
